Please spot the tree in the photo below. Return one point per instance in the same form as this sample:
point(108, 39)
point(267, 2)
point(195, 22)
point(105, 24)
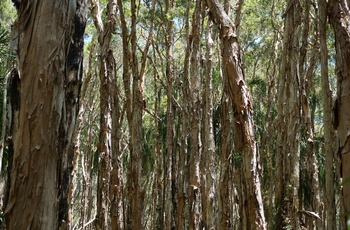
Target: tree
point(208, 164)
point(339, 14)
point(244, 141)
point(236, 125)
point(327, 112)
point(288, 150)
point(107, 75)
point(195, 116)
point(49, 53)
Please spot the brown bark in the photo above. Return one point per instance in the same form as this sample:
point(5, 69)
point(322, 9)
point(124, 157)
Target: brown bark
point(294, 115)
point(74, 66)
point(309, 164)
point(157, 184)
point(106, 73)
point(194, 111)
point(183, 178)
point(280, 151)
point(126, 58)
point(243, 121)
point(330, 209)
point(89, 180)
point(266, 148)
point(224, 205)
point(208, 164)
point(170, 169)
point(289, 121)
point(50, 68)
point(128, 98)
point(84, 159)
point(135, 104)
point(116, 186)
point(339, 19)
point(136, 193)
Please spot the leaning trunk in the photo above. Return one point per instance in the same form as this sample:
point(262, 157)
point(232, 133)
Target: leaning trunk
point(244, 140)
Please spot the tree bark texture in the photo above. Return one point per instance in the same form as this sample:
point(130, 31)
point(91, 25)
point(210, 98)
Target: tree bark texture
point(330, 209)
point(85, 163)
point(339, 18)
point(289, 121)
point(224, 204)
point(107, 75)
point(243, 121)
point(309, 173)
point(207, 163)
point(183, 177)
point(171, 162)
point(135, 190)
point(50, 45)
point(194, 111)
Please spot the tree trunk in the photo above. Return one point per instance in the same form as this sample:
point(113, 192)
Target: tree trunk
point(85, 163)
point(194, 109)
point(339, 19)
point(50, 49)
point(330, 208)
point(208, 164)
point(292, 158)
point(135, 191)
point(116, 186)
point(289, 121)
point(127, 91)
point(107, 75)
point(183, 177)
point(224, 205)
point(243, 121)
point(170, 166)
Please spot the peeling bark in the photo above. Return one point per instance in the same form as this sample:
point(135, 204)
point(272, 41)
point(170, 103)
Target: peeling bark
point(107, 75)
point(340, 20)
point(330, 208)
point(194, 112)
point(50, 40)
point(244, 140)
point(208, 164)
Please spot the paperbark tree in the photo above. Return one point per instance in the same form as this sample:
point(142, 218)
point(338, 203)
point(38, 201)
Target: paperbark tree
point(85, 159)
point(244, 141)
point(224, 203)
point(107, 75)
point(309, 173)
point(170, 168)
point(207, 163)
point(135, 190)
point(330, 209)
point(339, 14)
point(289, 120)
point(49, 52)
point(134, 69)
point(194, 111)
point(182, 221)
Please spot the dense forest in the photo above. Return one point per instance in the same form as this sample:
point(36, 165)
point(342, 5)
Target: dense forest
point(175, 114)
